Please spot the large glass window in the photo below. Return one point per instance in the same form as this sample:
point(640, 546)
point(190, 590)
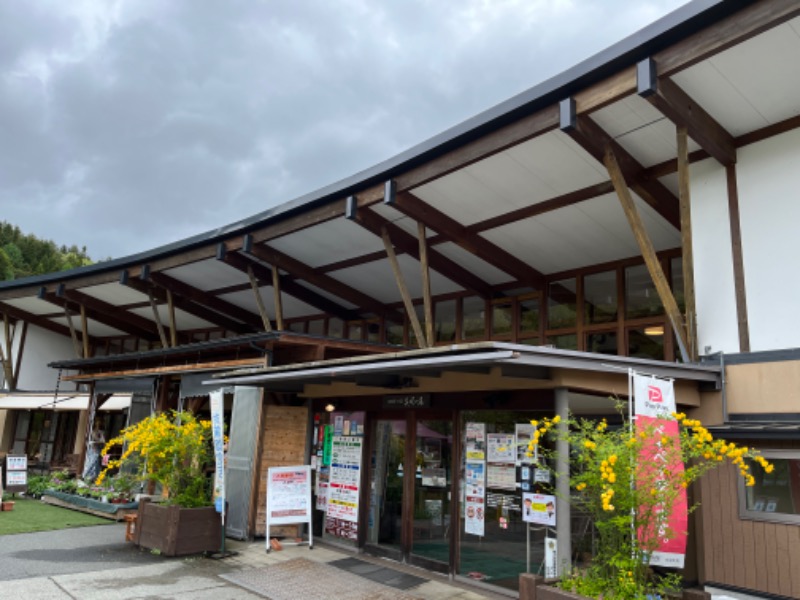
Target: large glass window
point(316, 327)
point(473, 321)
point(335, 327)
point(776, 495)
point(529, 315)
point(641, 298)
point(646, 342)
point(394, 333)
point(600, 297)
point(568, 341)
point(676, 269)
point(502, 317)
point(562, 304)
point(602, 343)
point(445, 317)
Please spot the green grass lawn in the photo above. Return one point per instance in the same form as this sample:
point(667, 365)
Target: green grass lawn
point(32, 515)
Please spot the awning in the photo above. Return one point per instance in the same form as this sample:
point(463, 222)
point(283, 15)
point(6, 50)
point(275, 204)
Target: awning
point(62, 402)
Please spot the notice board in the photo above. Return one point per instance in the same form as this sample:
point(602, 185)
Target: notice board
point(289, 498)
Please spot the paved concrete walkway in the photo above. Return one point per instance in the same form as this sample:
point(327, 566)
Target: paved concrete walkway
point(120, 571)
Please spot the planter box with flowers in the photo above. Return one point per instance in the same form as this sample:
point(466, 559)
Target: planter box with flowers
point(171, 451)
point(630, 480)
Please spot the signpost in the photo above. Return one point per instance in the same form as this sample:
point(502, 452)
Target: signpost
point(289, 499)
point(16, 473)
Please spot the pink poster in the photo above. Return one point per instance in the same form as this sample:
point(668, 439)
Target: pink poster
point(654, 401)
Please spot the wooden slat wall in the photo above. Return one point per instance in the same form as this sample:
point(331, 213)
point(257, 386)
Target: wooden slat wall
point(748, 554)
point(284, 445)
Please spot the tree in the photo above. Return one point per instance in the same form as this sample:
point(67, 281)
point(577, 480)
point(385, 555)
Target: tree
point(24, 255)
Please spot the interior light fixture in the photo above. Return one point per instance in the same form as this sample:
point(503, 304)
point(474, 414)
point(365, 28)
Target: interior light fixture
point(330, 407)
point(654, 330)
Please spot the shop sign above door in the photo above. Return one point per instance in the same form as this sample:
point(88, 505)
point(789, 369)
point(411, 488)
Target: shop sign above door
point(407, 401)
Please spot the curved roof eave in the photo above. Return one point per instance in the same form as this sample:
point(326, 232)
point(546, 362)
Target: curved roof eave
point(676, 25)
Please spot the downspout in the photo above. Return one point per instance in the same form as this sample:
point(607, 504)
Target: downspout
point(724, 390)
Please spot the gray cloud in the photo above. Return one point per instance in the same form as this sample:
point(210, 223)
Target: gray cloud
point(130, 124)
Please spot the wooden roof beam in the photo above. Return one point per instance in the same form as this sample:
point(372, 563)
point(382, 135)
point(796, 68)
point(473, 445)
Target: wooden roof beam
point(408, 244)
point(302, 271)
point(294, 289)
point(44, 323)
point(184, 304)
point(592, 138)
point(411, 206)
point(179, 288)
point(668, 97)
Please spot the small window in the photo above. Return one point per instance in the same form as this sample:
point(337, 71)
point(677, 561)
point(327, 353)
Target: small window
point(641, 297)
point(647, 342)
point(529, 315)
point(774, 495)
point(602, 343)
point(394, 333)
point(676, 271)
point(355, 331)
point(502, 318)
point(297, 326)
point(335, 328)
point(563, 342)
point(562, 304)
point(316, 327)
point(600, 297)
point(473, 322)
point(445, 319)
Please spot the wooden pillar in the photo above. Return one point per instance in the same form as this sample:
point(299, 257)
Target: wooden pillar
point(738, 259)
point(401, 285)
point(686, 242)
point(426, 282)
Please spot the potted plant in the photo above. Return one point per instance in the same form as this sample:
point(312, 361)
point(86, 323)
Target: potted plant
point(7, 503)
point(171, 452)
point(626, 479)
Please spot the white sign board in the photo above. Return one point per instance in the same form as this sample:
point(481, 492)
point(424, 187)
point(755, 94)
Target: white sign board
point(218, 435)
point(289, 498)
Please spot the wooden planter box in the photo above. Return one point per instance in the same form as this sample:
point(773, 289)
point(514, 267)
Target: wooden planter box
point(534, 587)
point(176, 531)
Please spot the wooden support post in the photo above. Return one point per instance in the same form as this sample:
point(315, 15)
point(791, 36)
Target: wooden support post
point(401, 285)
point(648, 252)
point(157, 317)
point(259, 300)
point(426, 282)
point(276, 287)
point(738, 259)
point(84, 332)
point(73, 334)
point(8, 371)
point(20, 347)
point(173, 328)
point(684, 196)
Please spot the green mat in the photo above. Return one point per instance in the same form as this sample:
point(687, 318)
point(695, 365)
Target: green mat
point(474, 560)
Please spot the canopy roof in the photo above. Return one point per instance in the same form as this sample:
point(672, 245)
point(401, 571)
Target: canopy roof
point(509, 199)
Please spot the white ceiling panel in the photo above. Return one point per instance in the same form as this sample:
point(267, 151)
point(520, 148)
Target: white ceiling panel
point(529, 173)
point(473, 264)
point(183, 319)
point(114, 293)
point(588, 233)
point(207, 275)
point(629, 114)
point(377, 279)
point(654, 143)
point(33, 305)
point(328, 242)
point(96, 329)
point(746, 87)
point(328, 295)
point(291, 306)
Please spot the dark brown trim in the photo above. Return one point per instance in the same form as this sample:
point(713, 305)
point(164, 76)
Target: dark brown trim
point(738, 259)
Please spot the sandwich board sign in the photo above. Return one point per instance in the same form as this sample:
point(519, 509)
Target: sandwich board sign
point(289, 498)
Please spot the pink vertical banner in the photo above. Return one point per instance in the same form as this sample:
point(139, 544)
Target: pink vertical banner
point(654, 402)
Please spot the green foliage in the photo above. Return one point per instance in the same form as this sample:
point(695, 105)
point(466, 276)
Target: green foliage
point(24, 255)
point(172, 450)
point(37, 485)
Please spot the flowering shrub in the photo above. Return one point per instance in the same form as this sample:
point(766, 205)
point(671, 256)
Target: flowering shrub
point(169, 449)
point(629, 494)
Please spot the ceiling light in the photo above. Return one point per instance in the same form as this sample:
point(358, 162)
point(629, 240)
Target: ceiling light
point(330, 407)
point(654, 331)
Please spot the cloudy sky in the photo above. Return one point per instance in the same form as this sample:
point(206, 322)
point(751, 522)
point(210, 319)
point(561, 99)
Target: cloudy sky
point(128, 124)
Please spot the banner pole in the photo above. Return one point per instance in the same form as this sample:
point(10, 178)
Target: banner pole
point(633, 474)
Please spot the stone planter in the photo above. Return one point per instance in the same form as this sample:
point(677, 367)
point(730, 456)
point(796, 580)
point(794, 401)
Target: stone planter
point(176, 531)
point(535, 587)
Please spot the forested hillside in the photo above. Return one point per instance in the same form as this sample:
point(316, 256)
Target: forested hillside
point(22, 255)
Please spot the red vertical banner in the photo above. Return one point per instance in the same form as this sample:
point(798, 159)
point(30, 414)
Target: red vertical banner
point(661, 470)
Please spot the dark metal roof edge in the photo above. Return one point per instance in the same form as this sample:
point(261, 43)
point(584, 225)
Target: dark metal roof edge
point(762, 356)
point(674, 26)
point(78, 363)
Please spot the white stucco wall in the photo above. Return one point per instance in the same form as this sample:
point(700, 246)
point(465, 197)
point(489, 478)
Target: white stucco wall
point(713, 260)
point(768, 174)
point(42, 347)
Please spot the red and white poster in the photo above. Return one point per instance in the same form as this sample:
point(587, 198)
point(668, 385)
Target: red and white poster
point(654, 402)
point(343, 487)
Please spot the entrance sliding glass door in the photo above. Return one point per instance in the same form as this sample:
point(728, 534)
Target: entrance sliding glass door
point(386, 476)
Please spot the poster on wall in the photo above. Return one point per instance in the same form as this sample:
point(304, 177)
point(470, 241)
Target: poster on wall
point(523, 435)
point(539, 509)
point(343, 487)
point(322, 488)
point(503, 477)
point(500, 448)
point(654, 401)
point(476, 441)
point(474, 497)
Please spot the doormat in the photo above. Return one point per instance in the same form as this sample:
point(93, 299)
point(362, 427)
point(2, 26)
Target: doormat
point(309, 580)
point(383, 575)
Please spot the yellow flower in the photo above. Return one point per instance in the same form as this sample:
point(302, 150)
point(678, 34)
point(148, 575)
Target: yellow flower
point(580, 487)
